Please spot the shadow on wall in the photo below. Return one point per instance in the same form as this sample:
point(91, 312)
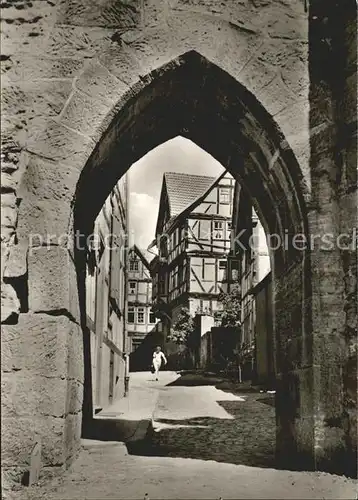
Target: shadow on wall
point(141, 358)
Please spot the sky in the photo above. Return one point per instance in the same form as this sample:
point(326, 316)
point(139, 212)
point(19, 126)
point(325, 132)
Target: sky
point(145, 182)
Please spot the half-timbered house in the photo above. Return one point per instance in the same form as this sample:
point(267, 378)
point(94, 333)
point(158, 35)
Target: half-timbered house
point(140, 317)
point(106, 297)
point(193, 240)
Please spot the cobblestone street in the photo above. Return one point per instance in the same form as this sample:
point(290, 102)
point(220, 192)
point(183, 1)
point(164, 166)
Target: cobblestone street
point(195, 419)
point(234, 428)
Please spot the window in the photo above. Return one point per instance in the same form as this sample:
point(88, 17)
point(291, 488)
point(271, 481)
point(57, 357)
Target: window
point(151, 316)
point(130, 315)
point(174, 239)
point(161, 288)
point(222, 264)
point(235, 266)
point(133, 265)
point(224, 195)
point(140, 315)
point(132, 287)
point(204, 229)
point(229, 226)
point(218, 230)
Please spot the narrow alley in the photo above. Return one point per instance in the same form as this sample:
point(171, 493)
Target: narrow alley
point(196, 425)
point(199, 417)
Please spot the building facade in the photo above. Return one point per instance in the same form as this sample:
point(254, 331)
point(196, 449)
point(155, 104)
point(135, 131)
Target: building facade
point(249, 263)
point(265, 367)
point(193, 241)
point(106, 286)
point(140, 319)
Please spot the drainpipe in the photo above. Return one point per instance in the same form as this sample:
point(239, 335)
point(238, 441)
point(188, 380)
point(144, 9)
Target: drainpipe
point(126, 374)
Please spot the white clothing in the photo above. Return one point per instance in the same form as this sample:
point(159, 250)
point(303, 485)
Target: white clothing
point(157, 362)
point(157, 359)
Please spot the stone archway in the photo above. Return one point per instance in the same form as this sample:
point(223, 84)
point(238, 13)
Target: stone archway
point(108, 102)
point(194, 98)
point(191, 97)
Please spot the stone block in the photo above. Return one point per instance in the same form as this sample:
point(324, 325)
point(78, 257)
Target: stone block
point(19, 127)
point(284, 24)
point(10, 477)
point(10, 304)
point(282, 54)
point(43, 222)
point(27, 12)
point(123, 14)
point(97, 82)
point(37, 343)
point(258, 14)
point(351, 44)
point(275, 97)
point(8, 216)
point(20, 434)
point(256, 75)
point(119, 60)
point(212, 37)
point(47, 180)
point(25, 394)
point(45, 192)
point(304, 438)
point(48, 278)
point(7, 235)
point(349, 98)
point(75, 42)
point(29, 99)
point(60, 144)
point(16, 264)
point(295, 76)
point(33, 68)
point(8, 182)
point(74, 396)
point(86, 114)
point(75, 353)
point(72, 435)
point(8, 209)
point(294, 121)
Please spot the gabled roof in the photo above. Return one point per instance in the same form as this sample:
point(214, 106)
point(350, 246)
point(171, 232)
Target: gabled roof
point(181, 191)
point(200, 198)
point(142, 254)
point(185, 189)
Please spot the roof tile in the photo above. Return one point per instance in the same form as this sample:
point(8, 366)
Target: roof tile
point(184, 189)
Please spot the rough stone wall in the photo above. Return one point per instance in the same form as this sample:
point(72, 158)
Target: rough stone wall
point(66, 64)
point(42, 386)
point(67, 68)
point(334, 211)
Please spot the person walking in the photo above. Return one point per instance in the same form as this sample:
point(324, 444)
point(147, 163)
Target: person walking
point(158, 357)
